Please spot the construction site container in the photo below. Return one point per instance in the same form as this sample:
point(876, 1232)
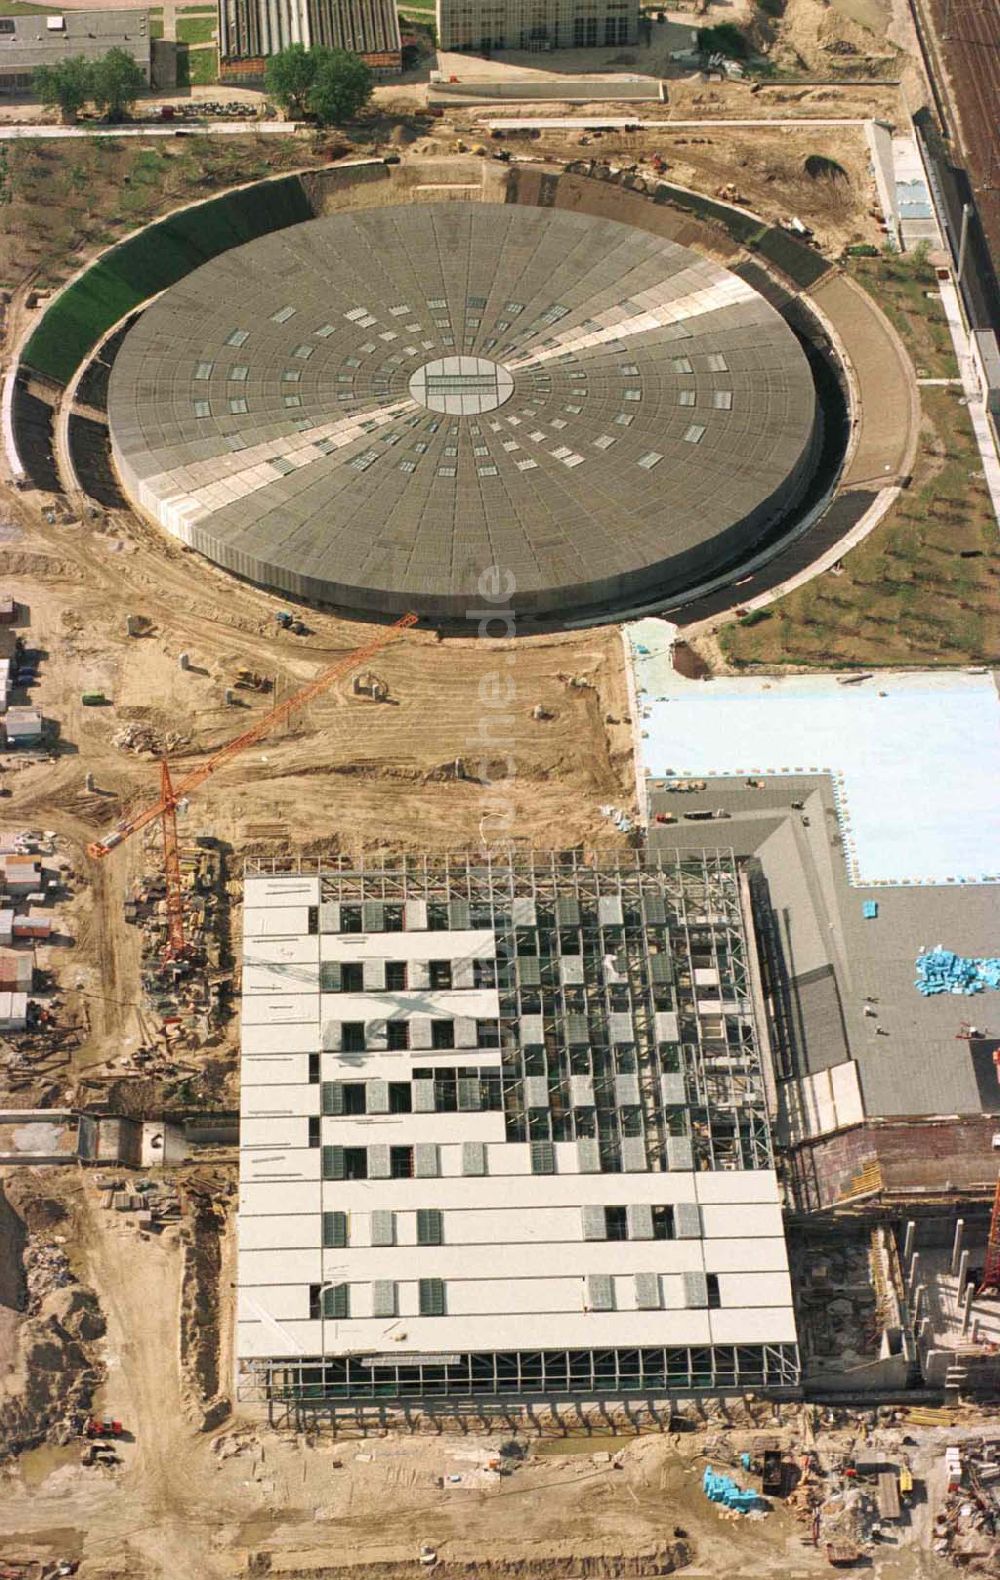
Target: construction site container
point(93, 699)
point(8, 609)
point(13, 1011)
point(888, 1495)
point(32, 926)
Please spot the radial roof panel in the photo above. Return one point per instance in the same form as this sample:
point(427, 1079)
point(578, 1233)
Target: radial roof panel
point(422, 392)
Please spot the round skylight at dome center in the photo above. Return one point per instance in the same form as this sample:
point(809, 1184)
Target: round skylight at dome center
point(462, 386)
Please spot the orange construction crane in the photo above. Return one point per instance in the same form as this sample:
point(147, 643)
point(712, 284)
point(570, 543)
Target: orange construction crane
point(990, 1281)
point(171, 795)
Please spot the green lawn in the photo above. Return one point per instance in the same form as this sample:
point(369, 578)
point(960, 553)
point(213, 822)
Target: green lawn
point(198, 68)
point(22, 8)
point(196, 29)
point(900, 285)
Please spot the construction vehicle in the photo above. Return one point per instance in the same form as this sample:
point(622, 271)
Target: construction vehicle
point(106, 1428)
point(164, 810)
point(772, 1483)
point(250, 680)
point(100, 1454)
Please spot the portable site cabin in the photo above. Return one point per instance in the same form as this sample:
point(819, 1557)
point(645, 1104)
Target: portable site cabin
point(888, 1495)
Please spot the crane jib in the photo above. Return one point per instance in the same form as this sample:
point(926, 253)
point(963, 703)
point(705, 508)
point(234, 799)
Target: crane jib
point(168, 800)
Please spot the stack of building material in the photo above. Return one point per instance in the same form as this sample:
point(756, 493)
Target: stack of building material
point(723, 1489)
point(942, 971)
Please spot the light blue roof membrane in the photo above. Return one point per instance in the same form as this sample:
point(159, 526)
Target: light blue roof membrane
point(915, 757)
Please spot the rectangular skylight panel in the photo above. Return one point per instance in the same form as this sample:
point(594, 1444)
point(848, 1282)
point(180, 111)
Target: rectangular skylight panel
point(400, 311)
point(303, 352)
point(604, 442)
point(717, 363)
point(686, 398)
point(649, 460)
point(356, 314)
point(202, 408)
point(238, 406)
point(324, 331)
point(238, 373)
point(204, 370)
point(694, 434)
point(722, 400)
point(682, 365)
point(283, 315)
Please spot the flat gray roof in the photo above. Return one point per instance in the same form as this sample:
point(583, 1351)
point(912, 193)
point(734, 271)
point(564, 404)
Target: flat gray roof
point(636, 414)
point(911, 1056)
point(36, 40)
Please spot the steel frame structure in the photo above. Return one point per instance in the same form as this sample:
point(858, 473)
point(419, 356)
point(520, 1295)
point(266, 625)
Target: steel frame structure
point(608, 1373)
point(685, 907)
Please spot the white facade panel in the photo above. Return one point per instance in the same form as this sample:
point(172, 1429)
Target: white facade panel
point(284, 889)
point(278, 1199)
point(767, 1325)
point(288, 921)
point(741, 1222)
point(287, 1265)
point(278, 1102)
point(291, 1231)
point(739, 1185)
point(275, 1069)
point(470, 944)
point(275, 1009)
point(281, 977)
point(281, 951)
point(301, 1037)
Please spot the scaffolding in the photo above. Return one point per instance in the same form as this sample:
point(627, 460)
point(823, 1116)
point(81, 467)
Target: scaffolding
point(626, 1017)
point(610, 1373)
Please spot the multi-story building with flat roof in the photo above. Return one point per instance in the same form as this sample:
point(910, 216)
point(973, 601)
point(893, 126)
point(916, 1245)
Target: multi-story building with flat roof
point(537, 25)
point(504, 1132)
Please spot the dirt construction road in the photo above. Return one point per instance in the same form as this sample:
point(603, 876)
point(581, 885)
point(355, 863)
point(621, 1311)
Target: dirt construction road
point(200, 1505)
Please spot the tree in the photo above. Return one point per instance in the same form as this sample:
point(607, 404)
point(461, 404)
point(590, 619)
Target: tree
point(723, 39)
point(66, 85)
point(117, 81)
point(342, 86)
point(289, 75)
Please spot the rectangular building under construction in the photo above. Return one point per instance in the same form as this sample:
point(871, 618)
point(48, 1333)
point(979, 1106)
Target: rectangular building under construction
point(504, 1133)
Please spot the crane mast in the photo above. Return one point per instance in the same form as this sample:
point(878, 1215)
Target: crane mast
point(172, 793)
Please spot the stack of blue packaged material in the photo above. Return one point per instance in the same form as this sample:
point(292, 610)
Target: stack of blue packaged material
point(941, 971)
point(723, 1489)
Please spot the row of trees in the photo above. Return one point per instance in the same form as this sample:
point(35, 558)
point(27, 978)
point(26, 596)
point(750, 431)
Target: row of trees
point(331, 85)
point(112, 84)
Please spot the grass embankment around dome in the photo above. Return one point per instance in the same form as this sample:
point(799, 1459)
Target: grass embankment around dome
point(924, 587)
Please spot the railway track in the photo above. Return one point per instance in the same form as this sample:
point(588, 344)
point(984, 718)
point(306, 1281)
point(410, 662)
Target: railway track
point(967, 40)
